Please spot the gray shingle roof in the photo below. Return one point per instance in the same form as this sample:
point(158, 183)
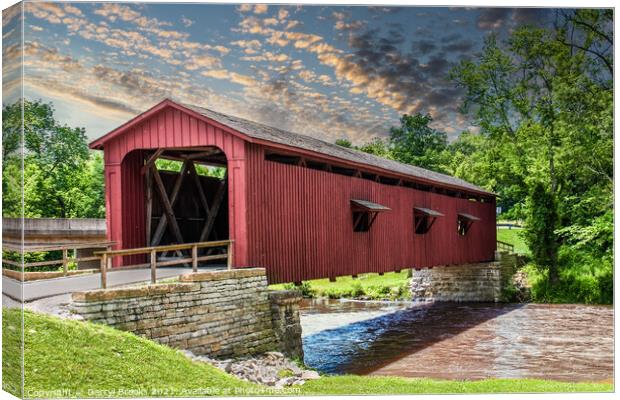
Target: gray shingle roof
point(369, 205)
point(428, 211)
point(279, 136)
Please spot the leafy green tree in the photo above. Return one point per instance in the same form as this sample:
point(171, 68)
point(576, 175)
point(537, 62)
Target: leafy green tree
point(344, 143)
point(414, 142)
point(378, 147)
point(61, 178)
point(543, 102)
point(540, 235)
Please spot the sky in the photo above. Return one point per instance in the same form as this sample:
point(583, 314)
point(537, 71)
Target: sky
point(326, 71)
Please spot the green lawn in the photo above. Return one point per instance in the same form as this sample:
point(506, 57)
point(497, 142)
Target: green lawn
point(513, 236)
point(351, 384)
point(391, 285)
point(81, 359)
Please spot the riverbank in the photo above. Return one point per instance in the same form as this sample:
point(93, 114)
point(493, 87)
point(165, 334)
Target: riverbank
point(65, 358)
point(372, 286)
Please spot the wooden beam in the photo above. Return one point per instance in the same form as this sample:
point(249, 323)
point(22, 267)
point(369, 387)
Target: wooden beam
point(372, 220)
point(65, 261)
point(215, 208)
point(151, 160)
point(201, 193)
point(153, 266)
point(204, 154)
point(167, 203)
point(194, 258)
point(148, 179)
point(104, 267)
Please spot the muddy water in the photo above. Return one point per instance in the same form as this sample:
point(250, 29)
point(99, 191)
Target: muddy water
point(460, 341)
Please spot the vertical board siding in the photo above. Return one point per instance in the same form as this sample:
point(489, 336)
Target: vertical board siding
point(300, 225)
point(295, 221)
point(124, 158)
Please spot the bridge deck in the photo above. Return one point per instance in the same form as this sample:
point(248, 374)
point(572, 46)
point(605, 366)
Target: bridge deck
point(51, 287)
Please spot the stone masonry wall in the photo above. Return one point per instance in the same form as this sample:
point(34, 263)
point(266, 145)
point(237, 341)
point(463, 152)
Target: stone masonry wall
point(285, 320)
point(218, 314)
point(481, 282)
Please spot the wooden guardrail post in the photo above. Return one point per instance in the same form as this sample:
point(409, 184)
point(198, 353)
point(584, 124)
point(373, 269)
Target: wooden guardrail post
point(195, 258)
point(153, 266)
point(229, 253)
point(65, 260)
point(104, 266)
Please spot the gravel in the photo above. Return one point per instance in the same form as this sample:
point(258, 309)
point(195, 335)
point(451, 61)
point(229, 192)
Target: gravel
point(270, 369)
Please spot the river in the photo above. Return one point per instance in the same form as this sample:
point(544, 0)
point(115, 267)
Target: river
point(459, 341)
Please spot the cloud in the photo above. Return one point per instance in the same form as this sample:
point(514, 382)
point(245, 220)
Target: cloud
point(492, 18)
point(51, 12)
point(283, 14)
point(343, 25)
point(267, 57)
point(459, 47)
point(203, 61)
point(260, 8)
point(11, 14)
point(423, 47)
point(531, 16)
point(186, 21)
point(233, 77)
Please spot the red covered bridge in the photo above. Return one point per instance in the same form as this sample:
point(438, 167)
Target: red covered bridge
point(301, 207)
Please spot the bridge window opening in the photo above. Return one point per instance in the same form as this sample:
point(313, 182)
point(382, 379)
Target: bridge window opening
point(365, 213)
point(370, 177)
point(464, 223)
point(282, 159)
point(319, 166)
point(361, 221)
point(385, 180)
point(388, 181)
point(424, 218)
point(186, 198)
point(343, 171)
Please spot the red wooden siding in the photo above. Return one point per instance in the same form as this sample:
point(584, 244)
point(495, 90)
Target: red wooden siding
point(169, 128)
point(300, 225)
point(295, 221)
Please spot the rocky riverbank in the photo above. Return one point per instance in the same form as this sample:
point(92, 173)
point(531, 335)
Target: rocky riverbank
point(270, 369)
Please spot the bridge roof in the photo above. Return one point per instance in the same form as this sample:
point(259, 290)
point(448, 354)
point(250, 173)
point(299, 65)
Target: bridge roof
point(254, 131)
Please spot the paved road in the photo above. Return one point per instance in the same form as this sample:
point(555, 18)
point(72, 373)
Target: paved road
point(34, 290)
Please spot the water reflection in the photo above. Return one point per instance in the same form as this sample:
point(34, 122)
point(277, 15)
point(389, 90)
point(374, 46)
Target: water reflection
point(460, 341)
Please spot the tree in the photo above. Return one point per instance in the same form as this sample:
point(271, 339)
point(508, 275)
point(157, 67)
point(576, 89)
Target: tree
point(378, 147)
point(540, 235)
point(61, 178)
point(543, 102)
point(344, 143)
point(414, 142)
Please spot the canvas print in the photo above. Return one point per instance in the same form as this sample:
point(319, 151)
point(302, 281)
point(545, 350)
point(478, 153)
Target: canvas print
point(295, 199)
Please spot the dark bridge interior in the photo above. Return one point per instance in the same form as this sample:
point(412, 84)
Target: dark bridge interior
point(186, 198)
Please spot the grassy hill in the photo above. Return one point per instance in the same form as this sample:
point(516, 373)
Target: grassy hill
point(79, 359)
point(513, 236)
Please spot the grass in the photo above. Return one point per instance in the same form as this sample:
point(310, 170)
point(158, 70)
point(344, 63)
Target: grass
point(80, 359)
point(359, 385)
point(391, 285)
point(513, 236)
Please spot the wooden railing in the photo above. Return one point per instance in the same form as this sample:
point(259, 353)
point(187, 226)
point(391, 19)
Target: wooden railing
point(65, 260)
point(106, 257)
point(503, 246)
